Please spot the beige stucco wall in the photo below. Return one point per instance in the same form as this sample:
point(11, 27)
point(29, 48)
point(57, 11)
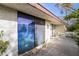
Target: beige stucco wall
point(8, 24)
point(53, 31)
point(48, 31)
point(59, 29)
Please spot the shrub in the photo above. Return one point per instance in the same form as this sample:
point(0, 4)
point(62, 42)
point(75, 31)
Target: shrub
point(76, 37)
point(3, 46)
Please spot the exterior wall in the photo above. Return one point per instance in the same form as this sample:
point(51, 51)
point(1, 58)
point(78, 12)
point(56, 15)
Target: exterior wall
point(8, 24)
point(59, 29)
point(48, 31)
point(53, 30)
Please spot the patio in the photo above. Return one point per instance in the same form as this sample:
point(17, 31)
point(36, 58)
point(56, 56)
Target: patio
point(59, 47)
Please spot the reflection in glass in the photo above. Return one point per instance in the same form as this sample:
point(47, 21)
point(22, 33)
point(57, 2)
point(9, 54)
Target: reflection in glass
point(26, 30)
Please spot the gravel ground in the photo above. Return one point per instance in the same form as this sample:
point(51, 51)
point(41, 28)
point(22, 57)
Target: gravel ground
point(59, 47)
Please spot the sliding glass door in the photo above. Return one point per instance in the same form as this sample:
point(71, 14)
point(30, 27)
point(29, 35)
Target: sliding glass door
point(26, 32)
point(31, 32)
point(39, 31)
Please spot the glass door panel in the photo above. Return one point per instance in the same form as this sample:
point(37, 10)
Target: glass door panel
point(26, 33)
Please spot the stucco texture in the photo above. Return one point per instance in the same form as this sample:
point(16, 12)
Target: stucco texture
point(8, 24)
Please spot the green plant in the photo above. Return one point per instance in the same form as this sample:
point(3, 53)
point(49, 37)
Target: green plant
point(1, 33)
point(75, 27)
point(3, 46)
point(76, 37)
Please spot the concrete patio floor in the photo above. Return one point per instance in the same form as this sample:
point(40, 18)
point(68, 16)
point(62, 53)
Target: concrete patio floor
point(59, 47)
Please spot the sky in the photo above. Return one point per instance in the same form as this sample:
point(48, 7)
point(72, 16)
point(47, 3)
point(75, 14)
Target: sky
point(51, 7)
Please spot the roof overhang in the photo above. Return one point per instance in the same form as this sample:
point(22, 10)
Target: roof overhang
point(35, 10)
